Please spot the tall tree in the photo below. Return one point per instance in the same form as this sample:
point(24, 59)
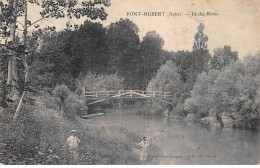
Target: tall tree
point(66, 54)
point(91, 43)
point(200, 49)
point(124, 55)
point(200, 55)
point(151, 52)
point(200, 39)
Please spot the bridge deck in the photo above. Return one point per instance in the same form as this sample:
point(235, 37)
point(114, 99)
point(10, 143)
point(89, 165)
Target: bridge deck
point(127, 94)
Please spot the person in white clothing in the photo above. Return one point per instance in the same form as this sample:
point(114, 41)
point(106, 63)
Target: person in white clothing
point(144, 144)
point(73, 143)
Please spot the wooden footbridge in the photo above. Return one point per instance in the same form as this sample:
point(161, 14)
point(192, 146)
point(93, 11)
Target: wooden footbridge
point(100, 96)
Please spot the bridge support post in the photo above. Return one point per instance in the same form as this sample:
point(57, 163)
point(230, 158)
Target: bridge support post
point(83, 91)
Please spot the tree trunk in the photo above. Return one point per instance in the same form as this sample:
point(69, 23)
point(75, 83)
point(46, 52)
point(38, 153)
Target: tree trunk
point(14, 94)
point(19, 107)
point(9, 75)
point(26, 67)
point(12, 78)
point(62, 105)
point(26, 71)
point(2, 84)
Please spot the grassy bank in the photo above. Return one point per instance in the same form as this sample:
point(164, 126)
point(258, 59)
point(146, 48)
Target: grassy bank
point(40, 133)
point(126, 141)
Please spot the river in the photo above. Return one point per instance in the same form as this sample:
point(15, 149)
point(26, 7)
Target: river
point(179, 143)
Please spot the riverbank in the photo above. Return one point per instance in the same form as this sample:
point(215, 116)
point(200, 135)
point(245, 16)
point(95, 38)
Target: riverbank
point(119, 140)
point(39, 137)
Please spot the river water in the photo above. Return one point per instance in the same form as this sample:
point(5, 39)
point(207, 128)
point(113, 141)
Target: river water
point(186, 144)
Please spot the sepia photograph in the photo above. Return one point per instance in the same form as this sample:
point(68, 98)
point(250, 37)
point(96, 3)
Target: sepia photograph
point(129, 82)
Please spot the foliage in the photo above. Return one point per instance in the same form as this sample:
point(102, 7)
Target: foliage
point(167, 79)
point(75, 105)
point(64, 55)
point(200, 101)
point(151, 52)
point(200, 39)
point(88, 47)
point(61, 91)
point(223, 57)
point(200, 56)
point(93, 82)
point(54, 9)
point(184, 62)
point(124, 57)
point(49, 101)
point(11, 10)
point(40, 133)
point(231, 92)
point(89, 9)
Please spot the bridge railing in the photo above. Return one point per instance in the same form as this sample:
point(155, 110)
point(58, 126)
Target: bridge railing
point(157, 94)
point(128, 93)
point(100, 94)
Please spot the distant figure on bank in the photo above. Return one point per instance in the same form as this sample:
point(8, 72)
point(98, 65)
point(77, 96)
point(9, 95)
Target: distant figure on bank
point(144, 144)
point(73, 143)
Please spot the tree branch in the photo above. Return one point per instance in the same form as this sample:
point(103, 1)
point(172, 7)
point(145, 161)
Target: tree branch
point(20, 23)
point(45, 17)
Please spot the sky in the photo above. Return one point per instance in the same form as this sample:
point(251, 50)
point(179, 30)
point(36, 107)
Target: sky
point(237, 23)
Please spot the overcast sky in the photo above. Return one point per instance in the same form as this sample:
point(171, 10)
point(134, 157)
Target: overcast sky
point(237, 25)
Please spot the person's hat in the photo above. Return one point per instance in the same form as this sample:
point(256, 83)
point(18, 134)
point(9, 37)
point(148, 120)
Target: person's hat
point(73, 131)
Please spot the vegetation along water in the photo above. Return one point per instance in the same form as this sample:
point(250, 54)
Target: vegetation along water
point(210, 117)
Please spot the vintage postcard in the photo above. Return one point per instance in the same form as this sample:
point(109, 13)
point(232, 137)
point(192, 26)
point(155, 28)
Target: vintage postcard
point(129, 82)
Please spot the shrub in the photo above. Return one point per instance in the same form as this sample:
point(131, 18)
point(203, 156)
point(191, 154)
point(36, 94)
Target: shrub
point(92, 82)
point(45, 99)
point(200, 101)
point(62, 92)
point(75, 105)
point(167, 79)
point(233, 91)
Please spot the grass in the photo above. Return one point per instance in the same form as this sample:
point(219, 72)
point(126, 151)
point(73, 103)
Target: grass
point(39, 135)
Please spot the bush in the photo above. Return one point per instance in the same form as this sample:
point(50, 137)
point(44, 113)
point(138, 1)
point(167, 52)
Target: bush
point(75, 105)
point(48, 101)
point(233, 91)
point(92, 82)
point(62, 92)
point(37, 137)
point(167, 79)
point(200, 101)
